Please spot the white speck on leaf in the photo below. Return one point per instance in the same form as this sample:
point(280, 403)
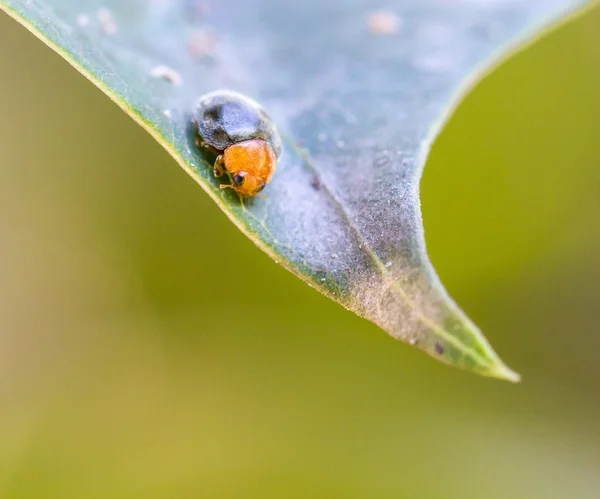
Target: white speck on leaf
point(107, 22)
point(168, 74)
point(83, 20)
point(383, 22)
point(202, 44)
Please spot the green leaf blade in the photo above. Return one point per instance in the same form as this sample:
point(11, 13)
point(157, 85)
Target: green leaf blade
point(357, 109)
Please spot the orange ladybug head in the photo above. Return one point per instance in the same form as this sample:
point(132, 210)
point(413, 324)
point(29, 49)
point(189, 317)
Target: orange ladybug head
point(251, 164)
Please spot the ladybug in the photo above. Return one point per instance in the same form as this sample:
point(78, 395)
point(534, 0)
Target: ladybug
point(243, 135)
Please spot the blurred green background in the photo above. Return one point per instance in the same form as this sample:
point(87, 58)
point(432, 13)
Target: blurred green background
point(149, 350)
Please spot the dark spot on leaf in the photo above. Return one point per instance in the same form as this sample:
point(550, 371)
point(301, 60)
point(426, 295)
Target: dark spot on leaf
point(381, 161)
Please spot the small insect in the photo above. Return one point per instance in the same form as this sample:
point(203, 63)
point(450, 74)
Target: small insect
point(243, 135)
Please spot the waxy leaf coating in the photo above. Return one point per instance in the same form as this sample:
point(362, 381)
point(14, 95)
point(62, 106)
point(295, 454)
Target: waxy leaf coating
point(358, 95)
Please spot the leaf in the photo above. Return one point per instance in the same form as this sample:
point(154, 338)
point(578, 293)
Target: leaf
point(359, 96)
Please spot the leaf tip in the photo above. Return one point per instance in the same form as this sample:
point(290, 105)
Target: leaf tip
point(501, 371)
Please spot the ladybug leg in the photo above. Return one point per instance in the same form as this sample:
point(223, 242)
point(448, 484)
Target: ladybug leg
point(219, 167)
point(241, 198)
point(201, 144)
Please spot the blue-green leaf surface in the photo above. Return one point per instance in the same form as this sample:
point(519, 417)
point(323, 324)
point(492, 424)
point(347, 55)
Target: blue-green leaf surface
point(358, 89)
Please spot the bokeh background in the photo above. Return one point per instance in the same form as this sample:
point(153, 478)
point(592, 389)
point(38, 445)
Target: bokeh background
point(149, 350)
